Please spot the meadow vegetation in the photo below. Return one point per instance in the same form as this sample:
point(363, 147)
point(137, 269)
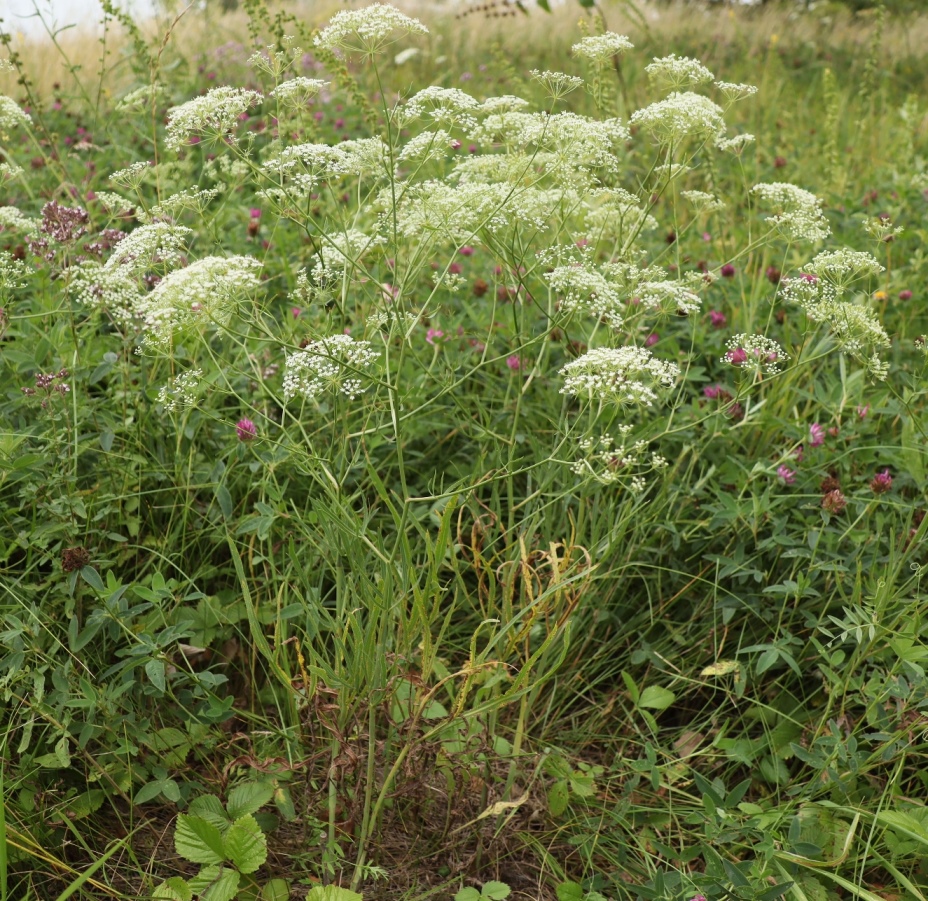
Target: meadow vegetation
point(468, 458)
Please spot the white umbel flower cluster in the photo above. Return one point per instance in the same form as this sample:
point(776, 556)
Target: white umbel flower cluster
point(206, 292)
point(669, 296)
point(557, 84)
point(757, 352)
point(366, 30)
point(601, 48)
point(114, 291)
point(854, 326)
point(582, 288)
point(442, 106)
point(341, 253)
point(681, 116)
point(702, 201)
point(13, 218)
point(159, 245)
point(181, 391)
point(733, 92)
point(842, 267)
point(675, 72)
point(628, 376)
point(797, 214)
point(297, 92)
point(12, 115)
point(623, 463)
point(214, 115)
point(334, 363)
point(13, 273)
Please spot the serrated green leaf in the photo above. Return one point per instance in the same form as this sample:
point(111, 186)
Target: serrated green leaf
point(275, 890)
point(216, 884)
point(497, 891)
point(465, 894)
point(198, 840)
point(210, 808)
point(656, 698)
point(569, 891)
point(173, 889)
point(333, 893)
point(245, 845)
point(558, 796)
point(248, 798)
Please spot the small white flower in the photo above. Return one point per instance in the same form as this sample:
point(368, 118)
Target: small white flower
point(297, 92)
point(160, 245)
point(214, 115)
point(557, 84)
point(681, 116)
point(366, 30)
point(601, 48)
point(756, 352)
point(132, 176)
point(629, 376)
point(181, 391)
point(12, 116)
point(735, 92)
point(333, 363)
point(797, 213)
point(675, 72)
point(703, 202)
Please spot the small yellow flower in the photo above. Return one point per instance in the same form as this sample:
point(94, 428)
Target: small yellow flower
point(880, 296)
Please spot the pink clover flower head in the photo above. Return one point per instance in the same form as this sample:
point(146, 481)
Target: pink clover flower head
point(717, 319)
point(737, 357)
point(433, 335)
point(728, 271)
point(834, 501)
point(711, 392)
point(246, 430)
point(466, 251)
point(786, 475)
point(816, 435)
point(455, 269)
point(706, 237)
point(514, 362)
point(652, 339)
point(881, 482)
point(863, 410)
point(698, 898)
point(296, 312)
point(254, 213)
point(905, 294)
point(799, 453)
point(807, 276)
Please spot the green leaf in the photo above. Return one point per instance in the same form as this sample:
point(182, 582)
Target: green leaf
point(656, 698)
point(465, 894)
point(154, 669)
point(198, 840)
point(544, 4)
point(275, 890)
point(497, 891)
point(245, 845)
point(174, 889)
point(210, 808)
point(569, 891)
point(92, 578)
point(215, 884)
point(558, 796)
point(225, 500)
point(106, 440)
point(249, 798)
point(333, 893)
point(148, 791)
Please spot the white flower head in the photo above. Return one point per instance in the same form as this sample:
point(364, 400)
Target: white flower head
point(12, 115)
point(132, 176)
point(755, 352)
point(206, 292)
point(628, 376)
point(367, 30)
point(297, 92)
point(444, 106)
point(581, 287)
point(675, 72)
point(703, 202)
point(334, 363)
point(159, 245)
point(557, 84)
point(214, 115)
point(797, 214)
point(733, 92)
point(602, 48)
point(735, 144)
point(680, 116)
point(13, 273)
point(181, 391)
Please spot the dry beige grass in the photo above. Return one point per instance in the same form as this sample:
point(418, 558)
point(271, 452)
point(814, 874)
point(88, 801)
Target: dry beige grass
point(77, 56)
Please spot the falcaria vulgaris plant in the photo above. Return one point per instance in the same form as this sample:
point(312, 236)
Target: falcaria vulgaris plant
point(464, 357)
